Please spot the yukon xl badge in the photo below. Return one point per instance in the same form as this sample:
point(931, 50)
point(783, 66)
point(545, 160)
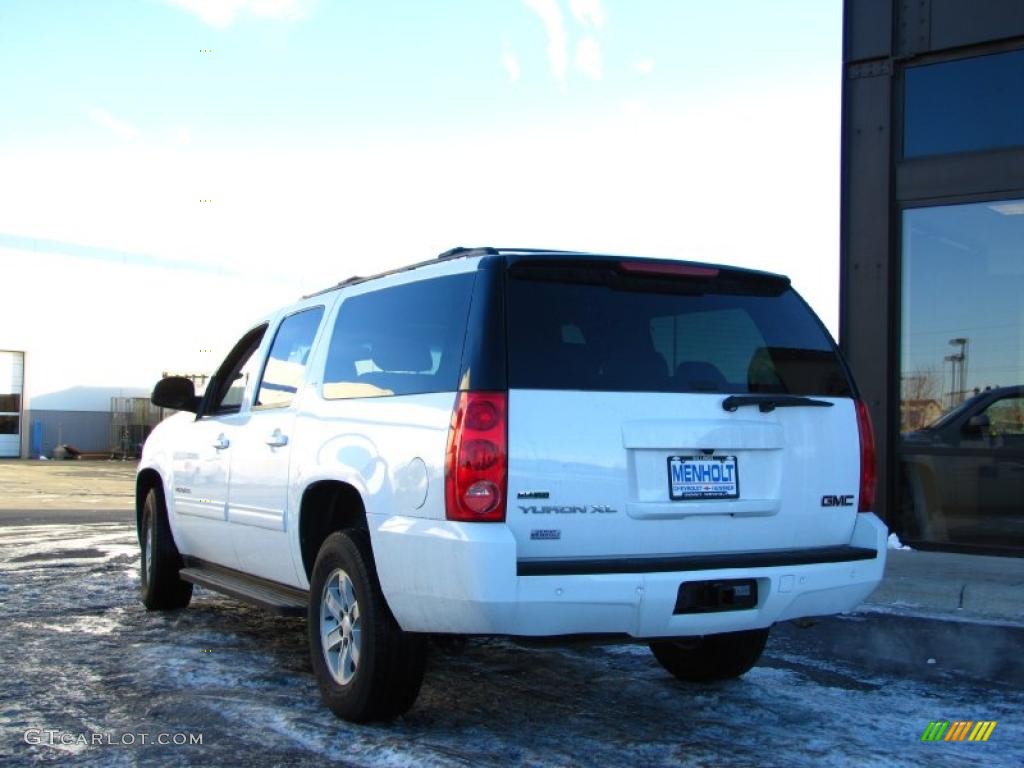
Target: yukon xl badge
point(568, 509)
point(837, 501)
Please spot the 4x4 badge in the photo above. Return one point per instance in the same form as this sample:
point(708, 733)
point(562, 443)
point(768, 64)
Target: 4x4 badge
point(532, 495)
point(545, 534)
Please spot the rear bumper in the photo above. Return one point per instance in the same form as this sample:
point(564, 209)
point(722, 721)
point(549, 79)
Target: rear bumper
point(464, 578)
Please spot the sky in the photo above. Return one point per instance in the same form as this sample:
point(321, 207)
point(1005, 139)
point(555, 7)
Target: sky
point(170, 170)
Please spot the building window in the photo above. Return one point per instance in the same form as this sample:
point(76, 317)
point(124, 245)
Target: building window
point(12, 366)
point(962, 374)
point(964, 106)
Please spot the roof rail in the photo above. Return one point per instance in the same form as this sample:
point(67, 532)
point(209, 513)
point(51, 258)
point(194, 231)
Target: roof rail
point(552, 251)
point(454, 253)
point(460, 252)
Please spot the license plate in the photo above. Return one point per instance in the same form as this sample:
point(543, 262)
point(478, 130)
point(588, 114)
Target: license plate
point(703, 477)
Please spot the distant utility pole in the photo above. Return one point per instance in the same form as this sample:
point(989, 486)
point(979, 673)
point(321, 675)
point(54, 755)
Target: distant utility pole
point(957, 371)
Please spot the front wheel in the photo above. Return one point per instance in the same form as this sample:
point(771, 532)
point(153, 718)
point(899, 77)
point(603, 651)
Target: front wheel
point(161, 587)
point(711, 657)
point(366, 666)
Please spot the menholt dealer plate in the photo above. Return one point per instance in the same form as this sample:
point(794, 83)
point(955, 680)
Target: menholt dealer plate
point(703, 477)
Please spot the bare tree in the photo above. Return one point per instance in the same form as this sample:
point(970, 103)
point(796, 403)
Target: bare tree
point(920, 391)
point(922, 384)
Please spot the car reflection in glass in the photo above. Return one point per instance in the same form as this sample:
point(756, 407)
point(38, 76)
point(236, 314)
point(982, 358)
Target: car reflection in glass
point(962, 477)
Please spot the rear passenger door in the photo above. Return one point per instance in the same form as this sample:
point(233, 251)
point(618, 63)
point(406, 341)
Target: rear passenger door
point(258, 498)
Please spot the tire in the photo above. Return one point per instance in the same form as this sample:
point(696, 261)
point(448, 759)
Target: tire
point(711, 657)
point(160, 586)
point(373, 670)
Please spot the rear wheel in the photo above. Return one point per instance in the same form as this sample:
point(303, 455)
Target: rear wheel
point(711, 657)
point(161, 587)
point(366, 666)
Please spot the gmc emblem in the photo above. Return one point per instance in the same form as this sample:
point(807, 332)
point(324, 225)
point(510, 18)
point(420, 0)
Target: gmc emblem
point(837, 501)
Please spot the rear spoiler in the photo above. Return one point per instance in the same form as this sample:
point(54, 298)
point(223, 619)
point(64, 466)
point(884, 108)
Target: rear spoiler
point(648, 275)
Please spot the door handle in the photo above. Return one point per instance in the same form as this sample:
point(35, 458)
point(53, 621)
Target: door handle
point(221, 443)
point(276, 439)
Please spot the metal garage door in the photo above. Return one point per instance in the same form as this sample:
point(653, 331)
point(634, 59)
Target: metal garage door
point(12, 371)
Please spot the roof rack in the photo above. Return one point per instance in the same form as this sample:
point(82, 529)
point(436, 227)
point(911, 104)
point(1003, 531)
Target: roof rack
point(553, 252)
point(462, 252)
point(453, 253)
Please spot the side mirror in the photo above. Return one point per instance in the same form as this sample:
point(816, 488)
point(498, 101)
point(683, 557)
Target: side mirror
point(176, 392)
point(976, 425)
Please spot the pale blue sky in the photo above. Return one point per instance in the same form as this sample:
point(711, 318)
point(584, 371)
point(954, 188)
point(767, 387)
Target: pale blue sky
point(341, 137)
point(345, 71)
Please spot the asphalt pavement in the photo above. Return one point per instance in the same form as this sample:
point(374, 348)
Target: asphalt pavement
point(83, 660)
point(87, 674)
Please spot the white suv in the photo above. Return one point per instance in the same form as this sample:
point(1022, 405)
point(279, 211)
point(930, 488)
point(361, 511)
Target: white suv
point(525, 443)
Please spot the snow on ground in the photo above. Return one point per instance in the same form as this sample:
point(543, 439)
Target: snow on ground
point(81, 655)
point(895, 543)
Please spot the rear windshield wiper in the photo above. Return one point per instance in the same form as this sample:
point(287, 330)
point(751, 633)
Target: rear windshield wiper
point(767, 403)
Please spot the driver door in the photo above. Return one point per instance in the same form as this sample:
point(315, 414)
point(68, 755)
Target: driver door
point(202, 459)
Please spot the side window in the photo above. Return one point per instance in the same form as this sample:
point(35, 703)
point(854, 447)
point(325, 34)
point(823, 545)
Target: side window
point(400, 341)
point(286, 363)
point(1006, 417)
point(229, 383)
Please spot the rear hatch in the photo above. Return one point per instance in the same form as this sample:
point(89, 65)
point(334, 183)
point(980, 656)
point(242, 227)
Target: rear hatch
point(660, 409)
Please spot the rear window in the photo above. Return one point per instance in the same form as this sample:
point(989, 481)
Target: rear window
point(403, 340)
point(671, 335)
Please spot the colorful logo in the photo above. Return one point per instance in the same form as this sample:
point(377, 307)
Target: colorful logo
point(958, 730)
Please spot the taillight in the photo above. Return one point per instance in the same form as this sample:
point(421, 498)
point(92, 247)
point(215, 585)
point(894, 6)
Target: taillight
point(867, 458)
point(476, 464)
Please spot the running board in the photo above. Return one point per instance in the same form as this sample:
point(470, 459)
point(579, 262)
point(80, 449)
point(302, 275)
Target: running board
point(277, 598)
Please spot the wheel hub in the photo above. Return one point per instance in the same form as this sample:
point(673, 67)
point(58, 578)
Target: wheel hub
point(147, 554)
point(340, 627)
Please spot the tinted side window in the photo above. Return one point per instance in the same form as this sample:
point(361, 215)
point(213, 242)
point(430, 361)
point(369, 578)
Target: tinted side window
point(286, 363)
point(403, 340)
point(566, 335)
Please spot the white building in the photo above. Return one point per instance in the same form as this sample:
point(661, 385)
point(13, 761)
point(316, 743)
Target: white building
point(106, 326)
point(12, 384)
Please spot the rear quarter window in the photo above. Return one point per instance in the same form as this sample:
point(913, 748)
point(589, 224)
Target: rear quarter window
point(402, 340)
point(689, 337)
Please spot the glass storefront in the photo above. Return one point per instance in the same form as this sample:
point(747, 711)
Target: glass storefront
point(961, 446)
